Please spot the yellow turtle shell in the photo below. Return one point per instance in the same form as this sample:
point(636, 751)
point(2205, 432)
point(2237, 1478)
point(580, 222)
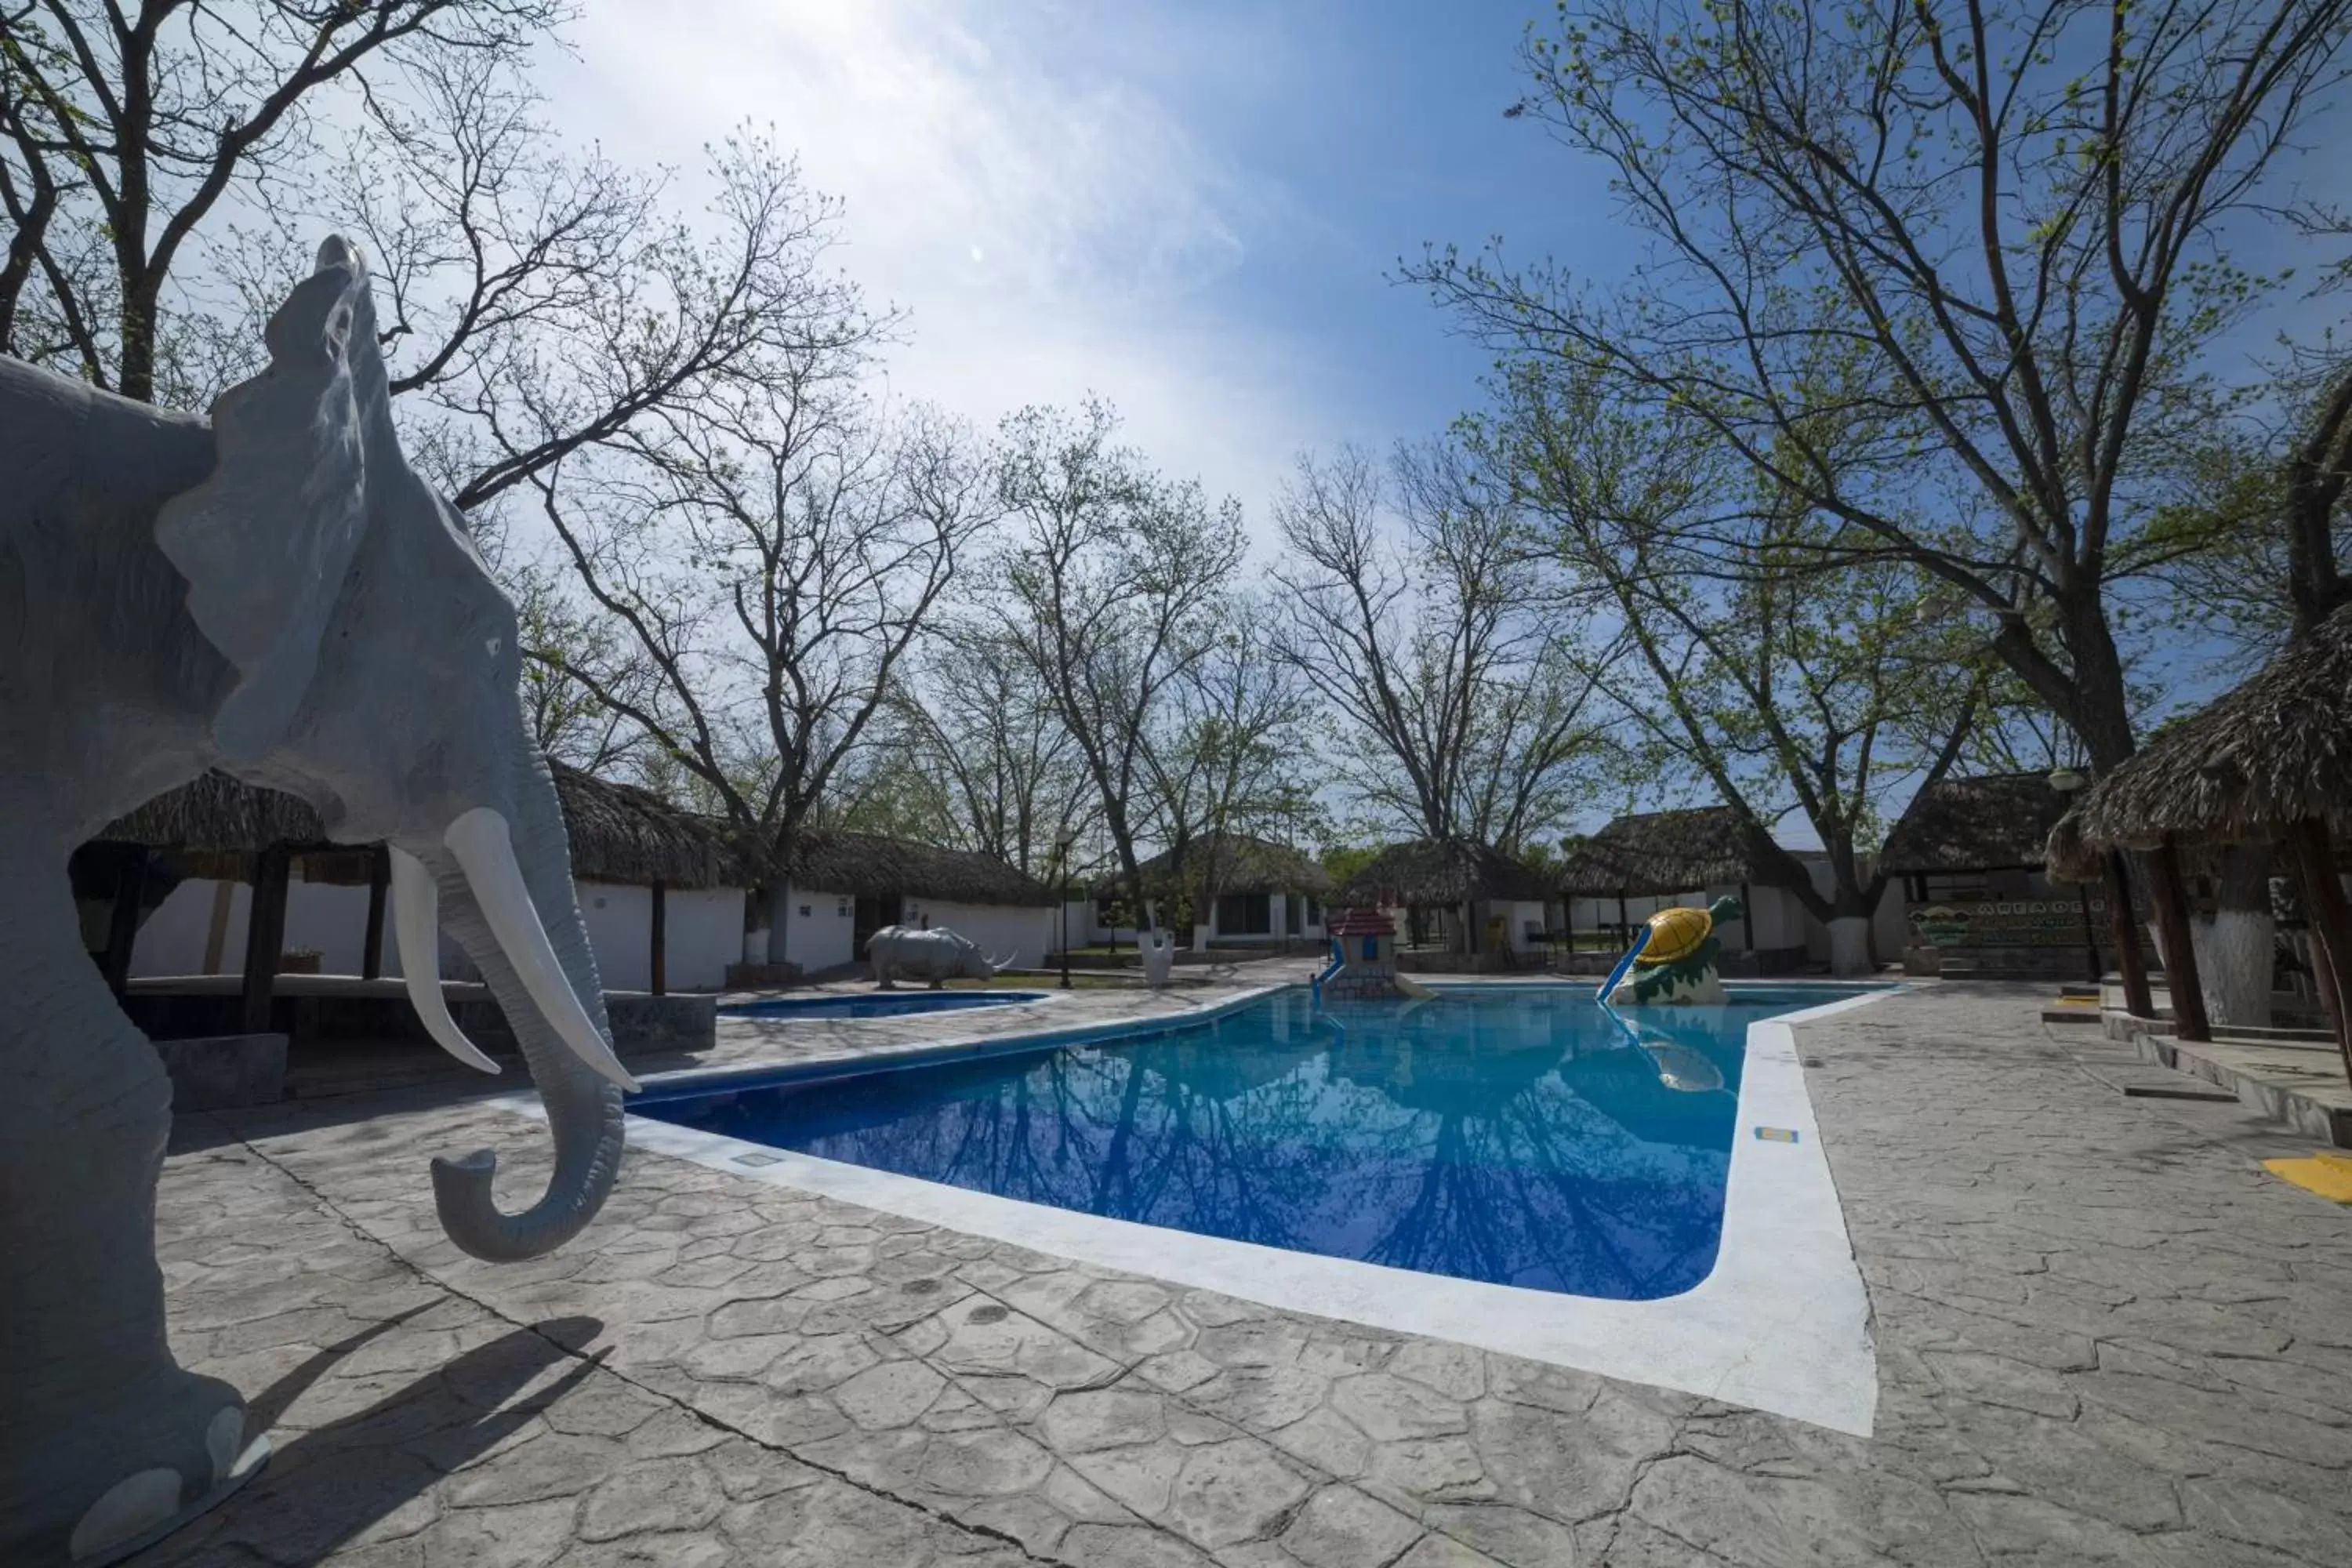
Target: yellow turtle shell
point(1675, 934)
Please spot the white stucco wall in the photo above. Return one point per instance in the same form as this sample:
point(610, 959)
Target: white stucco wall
point(821, 928)
point(1518, 915)
point(321, 915)
point(1779, 920)
point(703, 932)
point(1018, 933)
point(706, 933)
point(1890, 926)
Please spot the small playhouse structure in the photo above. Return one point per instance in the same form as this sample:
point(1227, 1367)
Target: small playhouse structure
point(1363, 957)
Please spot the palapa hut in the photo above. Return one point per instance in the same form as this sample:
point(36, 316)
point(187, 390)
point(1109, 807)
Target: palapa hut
point(1487, 903)
point(661, 893)
point(844, 887)
point(1970, 854)
point(2269, 763)
point(1642, 863)
point(1244, 891)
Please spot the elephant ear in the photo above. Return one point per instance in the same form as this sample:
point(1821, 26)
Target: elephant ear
point(267, 540)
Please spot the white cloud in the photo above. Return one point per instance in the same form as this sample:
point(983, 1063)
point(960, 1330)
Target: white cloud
point(1052, 225)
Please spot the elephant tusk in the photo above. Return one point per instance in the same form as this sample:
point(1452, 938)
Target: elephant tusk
point(417, 928)
point(485, 852)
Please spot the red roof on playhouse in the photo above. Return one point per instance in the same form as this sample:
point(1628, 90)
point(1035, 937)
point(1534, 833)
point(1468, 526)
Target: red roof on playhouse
point(1359, 923)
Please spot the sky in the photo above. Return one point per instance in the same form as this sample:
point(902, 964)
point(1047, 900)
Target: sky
point(1195, 210)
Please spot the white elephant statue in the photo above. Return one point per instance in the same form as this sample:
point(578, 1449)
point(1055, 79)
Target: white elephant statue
point(935, 955)
point(276, 593)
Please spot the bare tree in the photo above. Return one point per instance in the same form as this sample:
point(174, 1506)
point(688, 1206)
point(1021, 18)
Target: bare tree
point(773, 556)
point(1109, 585)
point(571, 724)
point(980, 733)
point(1997, 230)
point(166, 174)
point(1787, 684)
point(130, 134)
point(1230, 758)
point(1416, 612)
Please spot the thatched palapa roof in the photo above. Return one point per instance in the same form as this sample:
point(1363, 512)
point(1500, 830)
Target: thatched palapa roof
point(1234, 863)
point(622, 834)
point(1675, 852)
point(2270, 753)
point(214, 814)
point(1441, 871)
point(619, 833)
point(868, 864)
point(1997, 821)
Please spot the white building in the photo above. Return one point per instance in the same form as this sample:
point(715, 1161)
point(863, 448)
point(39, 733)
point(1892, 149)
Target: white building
point(1458, 898)
point(1241, 891)
point(638, 868)
point(846, 886)
point(1642, 863)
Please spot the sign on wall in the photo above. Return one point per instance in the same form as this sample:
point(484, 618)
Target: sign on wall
point(2006, 923)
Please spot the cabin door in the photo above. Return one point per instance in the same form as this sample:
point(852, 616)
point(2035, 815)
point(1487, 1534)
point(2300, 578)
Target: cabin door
point(871, 915)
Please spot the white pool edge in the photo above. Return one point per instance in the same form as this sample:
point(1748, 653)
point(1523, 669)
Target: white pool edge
point(1782, 1324)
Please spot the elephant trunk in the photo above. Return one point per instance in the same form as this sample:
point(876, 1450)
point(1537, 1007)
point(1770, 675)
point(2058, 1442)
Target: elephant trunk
point(584, 1111)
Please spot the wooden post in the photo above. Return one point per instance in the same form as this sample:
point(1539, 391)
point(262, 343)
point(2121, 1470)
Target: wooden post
point(379, 886)
point(1624, 921)
point(2331, 926)
point(123, 926)
point(1747, 916)
point(217, 929)
point(2172, 900)
point(2122, 930)
point(2090, 935)
point(660, 958)
point(265, 935)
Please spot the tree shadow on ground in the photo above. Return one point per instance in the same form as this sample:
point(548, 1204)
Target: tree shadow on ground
point(326, 1486)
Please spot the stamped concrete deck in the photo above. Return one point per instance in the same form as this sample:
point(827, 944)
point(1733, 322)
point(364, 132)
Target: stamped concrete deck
point(2104, 1335)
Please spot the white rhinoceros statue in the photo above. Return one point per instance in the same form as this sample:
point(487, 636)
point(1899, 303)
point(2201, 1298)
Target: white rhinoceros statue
point(934, 956)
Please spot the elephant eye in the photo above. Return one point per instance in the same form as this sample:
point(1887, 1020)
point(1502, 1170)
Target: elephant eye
point(494, 644)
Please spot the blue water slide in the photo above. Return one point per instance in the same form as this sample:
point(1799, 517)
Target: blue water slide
point(1609, 986)
point(1338, 958)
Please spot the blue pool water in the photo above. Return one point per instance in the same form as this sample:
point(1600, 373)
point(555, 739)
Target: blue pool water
point(1521, 1136)
point(879, 1005)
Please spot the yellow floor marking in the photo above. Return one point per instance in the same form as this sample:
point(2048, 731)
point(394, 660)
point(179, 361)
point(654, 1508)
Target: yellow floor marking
point(2329, 1175)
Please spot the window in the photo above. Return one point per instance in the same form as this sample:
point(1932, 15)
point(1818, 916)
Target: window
point(1244, 914)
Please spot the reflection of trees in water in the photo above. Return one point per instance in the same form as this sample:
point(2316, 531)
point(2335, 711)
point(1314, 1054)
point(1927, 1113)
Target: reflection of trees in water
point(1565, 1164)
point(1520, 1142)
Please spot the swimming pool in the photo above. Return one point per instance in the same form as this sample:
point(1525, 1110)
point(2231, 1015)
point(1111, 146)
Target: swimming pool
point(879, 1004)
point(1521, 1136)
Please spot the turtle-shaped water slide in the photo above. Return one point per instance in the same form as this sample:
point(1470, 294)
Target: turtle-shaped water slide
point(1672, 963)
